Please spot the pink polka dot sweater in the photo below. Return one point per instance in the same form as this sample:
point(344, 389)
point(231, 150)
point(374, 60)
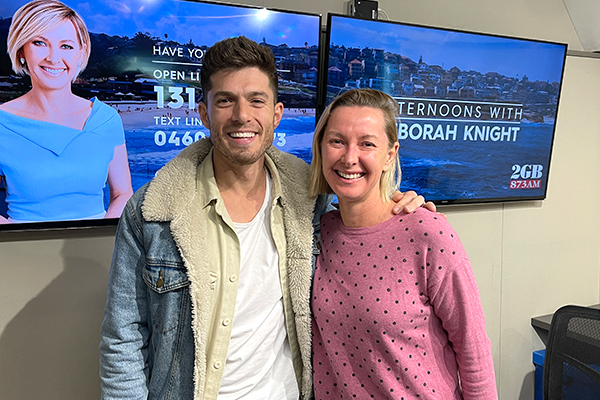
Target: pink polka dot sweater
point(397, 313)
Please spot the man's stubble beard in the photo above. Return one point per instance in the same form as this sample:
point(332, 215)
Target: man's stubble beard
point(245, 157)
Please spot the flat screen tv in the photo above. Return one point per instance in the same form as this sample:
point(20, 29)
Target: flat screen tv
point(477, 111)
point(145, 64)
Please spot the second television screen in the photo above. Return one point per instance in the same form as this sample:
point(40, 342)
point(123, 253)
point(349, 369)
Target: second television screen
point(477, 112)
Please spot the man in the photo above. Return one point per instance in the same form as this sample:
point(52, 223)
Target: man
point(209, 291)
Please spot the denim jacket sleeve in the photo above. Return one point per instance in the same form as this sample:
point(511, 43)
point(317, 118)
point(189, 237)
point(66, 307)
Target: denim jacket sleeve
point(125, 331)
point(147, 342)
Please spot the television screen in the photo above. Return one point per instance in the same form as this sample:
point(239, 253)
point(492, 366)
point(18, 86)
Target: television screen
point(143, 73)
point(477, 112)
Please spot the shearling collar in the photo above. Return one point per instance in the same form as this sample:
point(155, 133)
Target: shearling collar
point(174, 188)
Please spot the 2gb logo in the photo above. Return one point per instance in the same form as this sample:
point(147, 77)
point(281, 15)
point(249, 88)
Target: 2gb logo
point(527, 171)
point(526, 176)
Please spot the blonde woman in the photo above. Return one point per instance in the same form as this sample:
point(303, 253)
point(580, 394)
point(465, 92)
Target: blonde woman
point(58, 150)
point(396, 310)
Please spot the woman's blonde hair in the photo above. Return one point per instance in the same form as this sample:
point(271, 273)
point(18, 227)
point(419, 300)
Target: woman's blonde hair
point(390, 179)
point(34, 19)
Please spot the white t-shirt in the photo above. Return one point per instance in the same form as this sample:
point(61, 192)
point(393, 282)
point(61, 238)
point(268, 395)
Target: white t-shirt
point(259, 360)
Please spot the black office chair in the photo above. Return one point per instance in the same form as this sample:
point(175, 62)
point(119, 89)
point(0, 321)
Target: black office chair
point(572, 360)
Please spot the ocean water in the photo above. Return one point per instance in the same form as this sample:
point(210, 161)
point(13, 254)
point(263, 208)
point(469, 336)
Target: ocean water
point(442, 170)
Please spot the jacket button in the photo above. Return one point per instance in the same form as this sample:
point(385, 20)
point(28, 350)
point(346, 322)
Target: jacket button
point(218, 364)
point(233, 278)
point(226, 322)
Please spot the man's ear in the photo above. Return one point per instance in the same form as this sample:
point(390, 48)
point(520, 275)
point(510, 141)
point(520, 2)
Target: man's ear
point(203, 111)
point(278, 115)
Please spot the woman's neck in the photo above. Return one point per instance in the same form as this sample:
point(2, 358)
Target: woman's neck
point(366, 213)
point(50, 102)
point(60, 107)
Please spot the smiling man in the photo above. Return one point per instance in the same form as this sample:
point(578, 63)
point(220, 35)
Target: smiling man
point(209, 291)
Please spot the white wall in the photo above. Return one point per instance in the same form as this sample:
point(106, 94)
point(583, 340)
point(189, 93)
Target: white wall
point(52, 294)
point(529, 258)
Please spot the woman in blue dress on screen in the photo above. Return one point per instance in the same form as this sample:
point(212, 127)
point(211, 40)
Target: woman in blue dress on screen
point(58, 150)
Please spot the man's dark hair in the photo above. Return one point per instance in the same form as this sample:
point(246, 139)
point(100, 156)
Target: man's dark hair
point(234, 54)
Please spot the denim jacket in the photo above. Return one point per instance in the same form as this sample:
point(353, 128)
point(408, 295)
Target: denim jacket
point(152, 345)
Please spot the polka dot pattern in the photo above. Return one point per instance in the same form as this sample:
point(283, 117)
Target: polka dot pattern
point(375, 332)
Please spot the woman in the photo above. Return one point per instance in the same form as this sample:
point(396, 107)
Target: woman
point(58, 150)
point(396, 311)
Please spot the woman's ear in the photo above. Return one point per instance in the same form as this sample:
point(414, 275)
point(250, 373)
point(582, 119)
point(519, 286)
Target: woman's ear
point(391, 156)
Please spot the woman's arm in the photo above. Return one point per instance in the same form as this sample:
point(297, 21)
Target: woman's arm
point(455, 298)
point(2, 219)
point(119, 182)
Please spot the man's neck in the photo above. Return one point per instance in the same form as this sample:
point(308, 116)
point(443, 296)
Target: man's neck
point(242, 188)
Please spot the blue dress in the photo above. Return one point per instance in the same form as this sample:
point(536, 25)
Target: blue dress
point(53, 172)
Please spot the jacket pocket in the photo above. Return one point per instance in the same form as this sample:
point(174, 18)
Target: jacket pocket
point(163, 276)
